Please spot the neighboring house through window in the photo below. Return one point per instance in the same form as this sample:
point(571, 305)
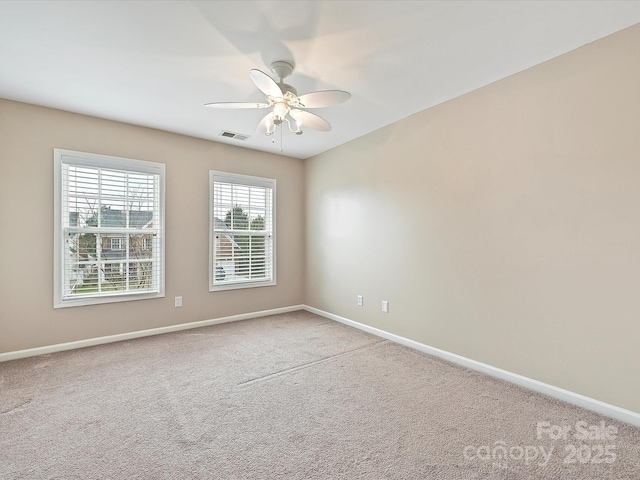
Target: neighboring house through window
point(242, 231)
point(109, 229)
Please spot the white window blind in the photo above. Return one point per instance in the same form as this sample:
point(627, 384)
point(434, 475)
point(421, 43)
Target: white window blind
point(109, 231)
point(242, 231)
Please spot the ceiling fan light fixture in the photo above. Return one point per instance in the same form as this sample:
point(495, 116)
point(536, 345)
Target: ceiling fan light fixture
point(298, 124)
point(271, 127)
point(280, 111)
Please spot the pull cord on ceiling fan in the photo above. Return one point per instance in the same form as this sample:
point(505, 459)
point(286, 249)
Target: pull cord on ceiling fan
point(285, 104)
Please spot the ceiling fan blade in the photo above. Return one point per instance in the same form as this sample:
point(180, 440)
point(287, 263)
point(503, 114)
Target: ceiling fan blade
point(325, 98)
point(311, 120)
point(265, 123)
point(236, 105)
point(265, 83)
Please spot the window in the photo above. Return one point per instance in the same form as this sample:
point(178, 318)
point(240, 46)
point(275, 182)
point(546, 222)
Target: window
point(242, 231)
point(116, 243)
point(109, 229)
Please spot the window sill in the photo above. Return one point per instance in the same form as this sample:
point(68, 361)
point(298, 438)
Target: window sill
point(239, 285)
point(97, 300)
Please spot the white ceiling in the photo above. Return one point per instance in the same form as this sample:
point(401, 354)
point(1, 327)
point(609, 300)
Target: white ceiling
point(156, 63)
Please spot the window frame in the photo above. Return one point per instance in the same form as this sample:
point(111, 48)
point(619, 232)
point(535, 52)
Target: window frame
point(245, 180)
point(93, 160)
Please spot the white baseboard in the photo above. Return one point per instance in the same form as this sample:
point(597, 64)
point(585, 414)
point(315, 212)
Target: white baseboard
point(577, 399)
point(32, 352)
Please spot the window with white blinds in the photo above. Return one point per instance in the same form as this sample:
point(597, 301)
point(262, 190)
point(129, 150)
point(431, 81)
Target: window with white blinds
point(242, 231)
point(109, 229)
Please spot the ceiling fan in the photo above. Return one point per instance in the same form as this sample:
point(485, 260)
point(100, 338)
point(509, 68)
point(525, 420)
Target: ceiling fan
point(285, 104)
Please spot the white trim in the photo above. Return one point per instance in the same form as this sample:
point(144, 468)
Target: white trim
point(240, 179)
point(107, 161)
point(628, 416)
point(90, 342)
point(577, 399)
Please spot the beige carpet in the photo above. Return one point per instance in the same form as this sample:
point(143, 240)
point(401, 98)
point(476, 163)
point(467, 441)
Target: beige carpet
point(291, 396)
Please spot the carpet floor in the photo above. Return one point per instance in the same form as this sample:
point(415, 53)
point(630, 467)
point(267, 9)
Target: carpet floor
point(291, 396)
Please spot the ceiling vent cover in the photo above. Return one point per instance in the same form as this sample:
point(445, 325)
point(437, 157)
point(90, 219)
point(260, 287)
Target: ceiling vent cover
point(237, 136)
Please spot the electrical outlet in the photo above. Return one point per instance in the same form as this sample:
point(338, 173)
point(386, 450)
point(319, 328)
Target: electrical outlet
point(360, 301)
point(178, 302)
point(385, 306)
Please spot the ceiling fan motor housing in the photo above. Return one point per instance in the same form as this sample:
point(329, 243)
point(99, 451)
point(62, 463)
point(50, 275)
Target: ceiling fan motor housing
point(286, 88)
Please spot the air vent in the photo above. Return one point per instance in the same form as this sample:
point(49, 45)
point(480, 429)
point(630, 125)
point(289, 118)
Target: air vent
point(237, 136)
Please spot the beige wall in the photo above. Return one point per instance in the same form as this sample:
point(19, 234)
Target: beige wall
point(503, 226)
point(28, 135)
